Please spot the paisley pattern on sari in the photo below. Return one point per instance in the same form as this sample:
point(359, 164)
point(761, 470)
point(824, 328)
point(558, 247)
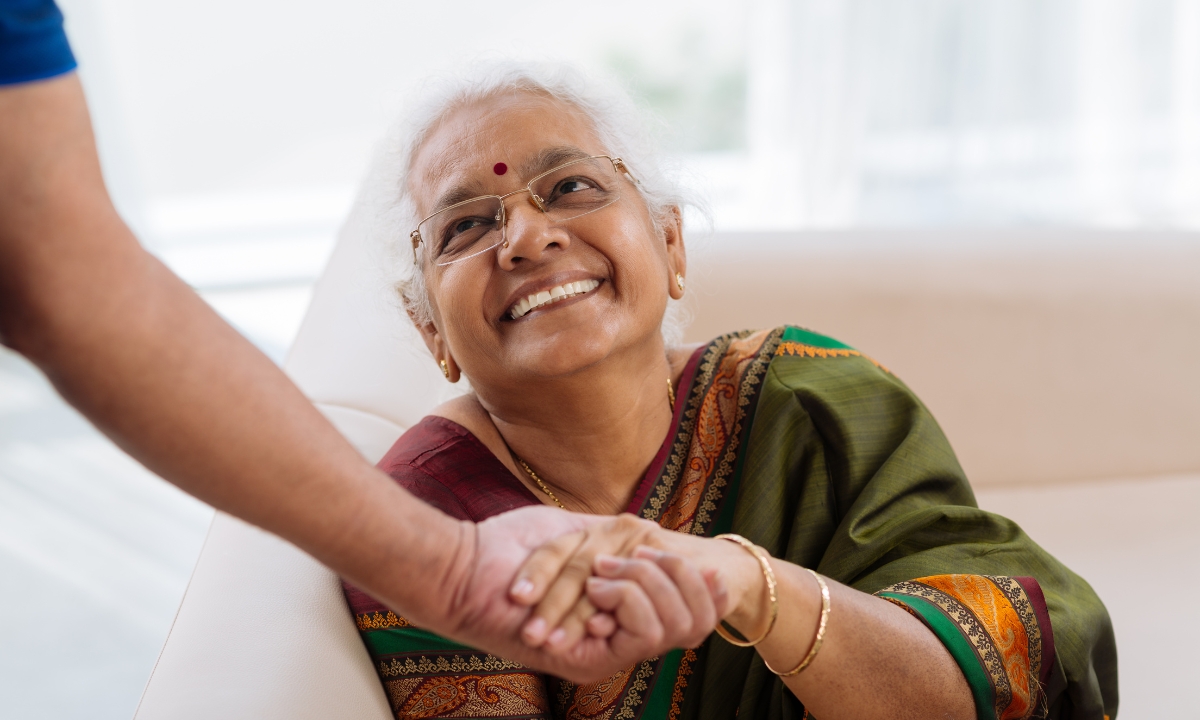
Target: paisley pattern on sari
point(991, 622)
point(817, 453)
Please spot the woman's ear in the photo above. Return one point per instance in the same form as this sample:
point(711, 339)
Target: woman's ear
point(672, 229)
point(438, 348)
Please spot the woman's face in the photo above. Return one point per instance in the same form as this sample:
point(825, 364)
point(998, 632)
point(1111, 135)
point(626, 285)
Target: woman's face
point(616, 249)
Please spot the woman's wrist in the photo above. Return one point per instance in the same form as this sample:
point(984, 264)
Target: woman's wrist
point(739, 570)
point(751, 610)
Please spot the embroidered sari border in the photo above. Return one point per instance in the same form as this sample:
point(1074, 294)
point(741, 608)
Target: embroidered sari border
point(964, 653)
point(659, 493)
point(635, 690)
point(1018, 599)
point(1037, 600)
point(658, 703)
point(1003, 619)
point(656, 465)
point(723, 485)
point(439, 665)
point(687, 665)
point(380, 621)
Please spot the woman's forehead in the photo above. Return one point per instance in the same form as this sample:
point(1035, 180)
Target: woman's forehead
point(467, 145)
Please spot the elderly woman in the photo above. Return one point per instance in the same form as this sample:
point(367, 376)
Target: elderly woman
point(863, 581)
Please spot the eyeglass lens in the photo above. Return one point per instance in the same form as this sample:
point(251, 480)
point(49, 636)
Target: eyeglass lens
point(567, 192)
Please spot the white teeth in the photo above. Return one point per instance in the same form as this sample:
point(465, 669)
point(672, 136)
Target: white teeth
point(554, 294)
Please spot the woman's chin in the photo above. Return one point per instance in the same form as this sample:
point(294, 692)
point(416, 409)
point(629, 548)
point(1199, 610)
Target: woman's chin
point(560, 350)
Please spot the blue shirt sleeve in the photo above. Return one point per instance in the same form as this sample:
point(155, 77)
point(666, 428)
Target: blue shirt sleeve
point(33, 45)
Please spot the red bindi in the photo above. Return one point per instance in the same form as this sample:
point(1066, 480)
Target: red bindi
point(499, 168)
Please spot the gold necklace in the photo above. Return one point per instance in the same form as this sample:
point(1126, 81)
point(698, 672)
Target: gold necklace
point(545, 488)
point(539, 482)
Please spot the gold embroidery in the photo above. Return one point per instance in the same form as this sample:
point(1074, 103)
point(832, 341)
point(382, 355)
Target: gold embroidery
point(679, 450)
point(634, 697)
point(379, 621)
point(685, 669)
point(721, 402)
point(1024, 608)
point(752, 366)
point(425, 666)
point(972, 629)
point(596, 699)
point(497, 696)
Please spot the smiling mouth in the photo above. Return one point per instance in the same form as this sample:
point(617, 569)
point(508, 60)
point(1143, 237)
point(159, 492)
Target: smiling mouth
point(536, 300)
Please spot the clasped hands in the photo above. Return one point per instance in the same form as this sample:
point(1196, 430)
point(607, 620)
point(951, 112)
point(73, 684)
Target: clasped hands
point(584, 596)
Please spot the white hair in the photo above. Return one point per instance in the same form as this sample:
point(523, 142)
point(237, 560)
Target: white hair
point(623, 129)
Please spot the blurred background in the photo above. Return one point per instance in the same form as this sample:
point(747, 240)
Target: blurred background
point(233, 136)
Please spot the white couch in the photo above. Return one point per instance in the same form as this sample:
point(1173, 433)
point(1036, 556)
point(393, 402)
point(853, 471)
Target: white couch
point(1063, 366)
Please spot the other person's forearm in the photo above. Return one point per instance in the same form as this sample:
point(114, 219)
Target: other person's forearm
point(135, 350)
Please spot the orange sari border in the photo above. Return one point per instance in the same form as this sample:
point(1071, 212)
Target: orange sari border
point(710, 434)
point(997, 617)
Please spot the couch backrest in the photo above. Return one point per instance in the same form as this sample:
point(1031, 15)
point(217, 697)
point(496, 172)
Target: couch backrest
point(1047, 356)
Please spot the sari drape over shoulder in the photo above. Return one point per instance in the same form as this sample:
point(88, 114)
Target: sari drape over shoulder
point(823, 457)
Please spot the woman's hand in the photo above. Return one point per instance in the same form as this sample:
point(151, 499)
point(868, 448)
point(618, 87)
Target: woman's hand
point(649, 605)
point(868, 643)
point(561, 578)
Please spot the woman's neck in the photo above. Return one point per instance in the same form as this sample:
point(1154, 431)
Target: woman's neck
point(590, 438)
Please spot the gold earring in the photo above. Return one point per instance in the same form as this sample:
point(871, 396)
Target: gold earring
point(445, 368)
point(679, 283)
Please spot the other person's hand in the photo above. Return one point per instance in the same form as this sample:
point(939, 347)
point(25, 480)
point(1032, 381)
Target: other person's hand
point(560, 576)
point(649, 605)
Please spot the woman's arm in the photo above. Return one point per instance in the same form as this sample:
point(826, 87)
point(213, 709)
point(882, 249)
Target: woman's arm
point(876, 661)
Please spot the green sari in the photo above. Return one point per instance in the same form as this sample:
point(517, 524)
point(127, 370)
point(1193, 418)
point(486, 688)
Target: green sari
point(823, 457)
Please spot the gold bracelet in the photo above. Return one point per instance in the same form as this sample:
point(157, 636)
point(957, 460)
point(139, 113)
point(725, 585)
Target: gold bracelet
point(820, 637)
point(764, 560)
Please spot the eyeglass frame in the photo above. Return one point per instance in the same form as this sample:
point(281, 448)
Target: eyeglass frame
point(618, 166)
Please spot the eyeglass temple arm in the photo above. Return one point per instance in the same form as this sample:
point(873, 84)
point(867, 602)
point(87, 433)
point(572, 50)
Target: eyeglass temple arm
point(619, 166)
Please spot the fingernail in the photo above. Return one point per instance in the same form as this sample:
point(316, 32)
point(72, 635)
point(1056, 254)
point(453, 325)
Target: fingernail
point(522, 587)
point(535, 628)
point(557, 636)
point(608, 563)
point(597, 583)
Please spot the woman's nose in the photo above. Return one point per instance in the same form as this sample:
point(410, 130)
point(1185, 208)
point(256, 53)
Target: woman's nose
point(529, 233)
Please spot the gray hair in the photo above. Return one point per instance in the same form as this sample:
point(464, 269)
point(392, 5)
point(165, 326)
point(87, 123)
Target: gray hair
point(620, 125)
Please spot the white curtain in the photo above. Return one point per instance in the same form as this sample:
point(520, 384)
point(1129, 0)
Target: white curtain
point(933, 112)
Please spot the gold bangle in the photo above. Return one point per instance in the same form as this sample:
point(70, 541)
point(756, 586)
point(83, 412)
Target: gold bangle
point(764, 560)
point(820, 636)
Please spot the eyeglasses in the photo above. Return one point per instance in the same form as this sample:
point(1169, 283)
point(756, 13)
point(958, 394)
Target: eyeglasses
point(473, 227)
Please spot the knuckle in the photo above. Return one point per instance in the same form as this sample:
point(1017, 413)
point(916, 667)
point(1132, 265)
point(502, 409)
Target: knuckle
point(658, 636)
point(626, 521)
point(673, 564)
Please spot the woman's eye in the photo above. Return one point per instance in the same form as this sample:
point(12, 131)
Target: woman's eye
point(463, 232)
point(575, 185)
point(463, 226)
